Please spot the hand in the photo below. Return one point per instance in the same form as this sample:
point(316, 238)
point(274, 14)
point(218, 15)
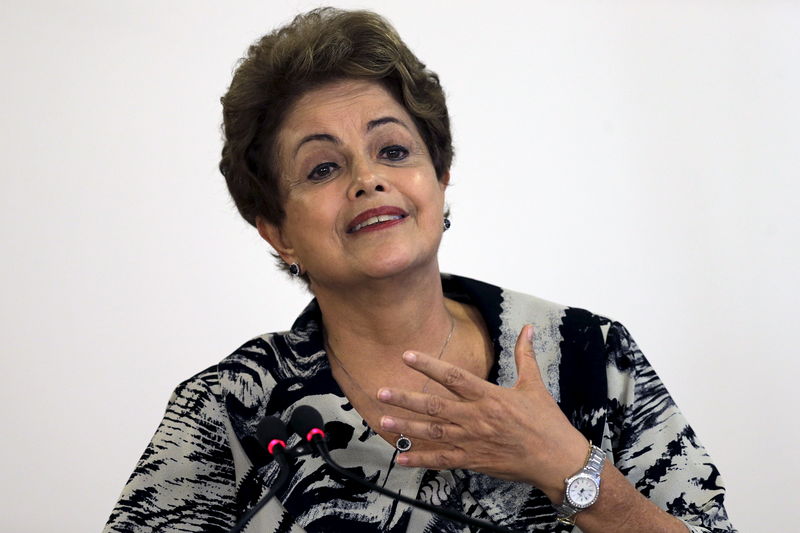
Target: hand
point(517, 433)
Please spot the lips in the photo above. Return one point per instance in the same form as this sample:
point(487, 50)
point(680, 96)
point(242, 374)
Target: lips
point(378, 217)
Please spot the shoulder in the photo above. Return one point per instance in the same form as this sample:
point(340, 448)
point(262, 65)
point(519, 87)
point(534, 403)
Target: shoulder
point(186, 470)
point(572, 322)
point(251, 366)
point(564, 335)
point(512, 309)
point(195, 405)
point(202, 385)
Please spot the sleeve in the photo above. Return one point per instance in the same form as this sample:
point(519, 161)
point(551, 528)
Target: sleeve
point(653, 444)
point(185, 478)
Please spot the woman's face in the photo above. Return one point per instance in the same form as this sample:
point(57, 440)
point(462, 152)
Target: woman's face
point(348, 152)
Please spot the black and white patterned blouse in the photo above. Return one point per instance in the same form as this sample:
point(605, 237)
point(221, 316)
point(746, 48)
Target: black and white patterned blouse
point(201, 470)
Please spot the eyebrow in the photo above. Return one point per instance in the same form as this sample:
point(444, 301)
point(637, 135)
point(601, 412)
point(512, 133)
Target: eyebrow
point(316, 137)
point(371, 125)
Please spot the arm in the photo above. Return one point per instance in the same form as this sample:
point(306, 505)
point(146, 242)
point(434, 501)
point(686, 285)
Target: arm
point(656, 452)
point(490, 428)
point(185, 478)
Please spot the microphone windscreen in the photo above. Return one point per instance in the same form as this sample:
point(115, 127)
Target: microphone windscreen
point(269, 429)
point(304, 419)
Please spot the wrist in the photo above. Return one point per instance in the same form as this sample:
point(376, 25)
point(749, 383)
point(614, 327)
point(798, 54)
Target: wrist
point(582, 489)
point(568, 458)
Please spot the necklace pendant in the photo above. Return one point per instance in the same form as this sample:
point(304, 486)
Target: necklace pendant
point(403, 443)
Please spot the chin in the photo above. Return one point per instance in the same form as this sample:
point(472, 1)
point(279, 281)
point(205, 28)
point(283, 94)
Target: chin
point(388, 266)
point(386, 269)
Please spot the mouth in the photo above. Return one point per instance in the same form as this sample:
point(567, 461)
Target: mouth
point(378, 218)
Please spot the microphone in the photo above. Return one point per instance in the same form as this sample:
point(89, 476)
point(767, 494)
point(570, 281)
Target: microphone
point(271, 434)
point(307, 422)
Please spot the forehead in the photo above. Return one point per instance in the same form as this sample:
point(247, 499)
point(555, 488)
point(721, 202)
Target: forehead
point(340, 105)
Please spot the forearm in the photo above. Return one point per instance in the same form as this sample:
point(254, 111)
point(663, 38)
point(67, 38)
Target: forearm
point(622, 509)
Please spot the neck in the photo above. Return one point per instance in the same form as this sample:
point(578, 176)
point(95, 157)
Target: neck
point(383, 318)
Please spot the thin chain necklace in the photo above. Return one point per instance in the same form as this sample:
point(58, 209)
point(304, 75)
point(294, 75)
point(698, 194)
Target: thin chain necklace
point(403, 443)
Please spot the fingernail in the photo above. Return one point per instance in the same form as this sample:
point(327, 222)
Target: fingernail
point(384, 394)
point(402, 459)
point(388, 422)
point(530, 333)
point(410, 357)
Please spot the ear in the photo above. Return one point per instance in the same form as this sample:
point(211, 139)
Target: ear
point(276, 238)
point(445, 181)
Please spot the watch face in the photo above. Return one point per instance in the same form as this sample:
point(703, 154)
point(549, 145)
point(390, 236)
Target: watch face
point(582, 492)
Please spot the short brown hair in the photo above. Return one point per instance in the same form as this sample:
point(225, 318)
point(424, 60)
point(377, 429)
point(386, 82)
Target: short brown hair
point(321, 46)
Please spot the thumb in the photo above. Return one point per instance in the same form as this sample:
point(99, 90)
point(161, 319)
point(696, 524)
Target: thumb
point(524, 356)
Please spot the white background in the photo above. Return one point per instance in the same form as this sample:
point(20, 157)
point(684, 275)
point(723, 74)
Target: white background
point(639, 159)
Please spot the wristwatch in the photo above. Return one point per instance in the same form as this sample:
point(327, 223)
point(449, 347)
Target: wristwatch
point(583, 488)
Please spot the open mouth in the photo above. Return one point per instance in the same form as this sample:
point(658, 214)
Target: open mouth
point(374, 221)
point(377, 218)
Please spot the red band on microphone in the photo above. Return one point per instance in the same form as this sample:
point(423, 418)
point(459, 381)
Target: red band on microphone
point(315, 431)
point(273, 443)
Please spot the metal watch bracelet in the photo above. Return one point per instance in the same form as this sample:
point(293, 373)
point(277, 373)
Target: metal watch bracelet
point(567, 511)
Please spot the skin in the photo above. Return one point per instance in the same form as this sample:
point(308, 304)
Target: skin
point(350, 146)
point(488, 428)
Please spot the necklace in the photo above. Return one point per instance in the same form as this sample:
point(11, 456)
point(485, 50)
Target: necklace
point(403, 443)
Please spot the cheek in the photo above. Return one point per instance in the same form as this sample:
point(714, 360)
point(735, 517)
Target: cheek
point(312, 220)
point(431, 196)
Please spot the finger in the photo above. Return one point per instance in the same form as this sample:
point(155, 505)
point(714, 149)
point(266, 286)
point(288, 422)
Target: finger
point(433, 430)
point(525, 357)
point(434, 459)
point(457, 380)
point(423, 403)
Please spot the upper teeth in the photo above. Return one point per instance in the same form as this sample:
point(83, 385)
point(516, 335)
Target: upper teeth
point(375, 220)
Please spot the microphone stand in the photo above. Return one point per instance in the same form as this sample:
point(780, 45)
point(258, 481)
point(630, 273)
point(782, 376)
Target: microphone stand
point(283, 476)
point(271, 434)
point(322, 447)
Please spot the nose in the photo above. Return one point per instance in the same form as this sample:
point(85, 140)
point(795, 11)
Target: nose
point(362, 191)
point(366, 181)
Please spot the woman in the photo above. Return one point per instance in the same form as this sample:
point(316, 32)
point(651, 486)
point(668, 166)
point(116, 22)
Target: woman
point(462, 394)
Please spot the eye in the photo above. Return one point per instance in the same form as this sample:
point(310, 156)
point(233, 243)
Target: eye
point(394, 153)
point(322, 171)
